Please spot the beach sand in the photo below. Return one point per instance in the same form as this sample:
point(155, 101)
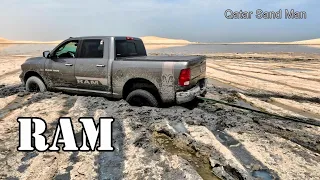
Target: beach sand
point(175, 142)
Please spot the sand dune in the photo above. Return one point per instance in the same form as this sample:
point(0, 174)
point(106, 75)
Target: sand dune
point(160, 40)
point(311, 41)
point(6, 41)
point(304, 42)
point(152, 42)
point(254, 43)
point(146, 39)
point(37, 42)
point(2, 40)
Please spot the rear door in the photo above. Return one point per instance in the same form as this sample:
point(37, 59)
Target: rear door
point(91, 67)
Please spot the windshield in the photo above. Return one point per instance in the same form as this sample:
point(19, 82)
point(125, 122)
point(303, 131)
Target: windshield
point(127, 48)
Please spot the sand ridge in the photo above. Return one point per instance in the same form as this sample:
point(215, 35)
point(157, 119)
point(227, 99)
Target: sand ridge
point(160, 40)
point(303, 42)
point(6, 41)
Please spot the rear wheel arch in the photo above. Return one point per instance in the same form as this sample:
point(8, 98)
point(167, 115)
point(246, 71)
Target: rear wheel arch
point(140, 83)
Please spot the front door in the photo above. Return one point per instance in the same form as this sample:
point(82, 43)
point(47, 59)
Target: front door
point(91, 69)
point(60, 67)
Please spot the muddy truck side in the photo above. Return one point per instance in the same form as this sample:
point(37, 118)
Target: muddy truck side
point(116, 67)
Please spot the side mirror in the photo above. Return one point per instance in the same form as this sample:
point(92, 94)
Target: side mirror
point(46, 54)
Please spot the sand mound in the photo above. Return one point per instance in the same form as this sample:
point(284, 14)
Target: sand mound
point(160, 40)
point(37, 42)
point(256, 43)
point(146, 40)
point(3, 40)
point(6, 41)
point(310, 41)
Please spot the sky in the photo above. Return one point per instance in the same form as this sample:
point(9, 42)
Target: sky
point(193, 20)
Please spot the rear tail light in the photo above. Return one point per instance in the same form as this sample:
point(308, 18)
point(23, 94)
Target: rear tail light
point(184, 78)
point(129, 38)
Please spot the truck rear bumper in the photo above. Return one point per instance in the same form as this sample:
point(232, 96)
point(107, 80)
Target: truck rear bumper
point(189, 95)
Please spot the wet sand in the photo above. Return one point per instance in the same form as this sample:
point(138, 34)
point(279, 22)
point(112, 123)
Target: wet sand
point(291, 80)
point(171, 143)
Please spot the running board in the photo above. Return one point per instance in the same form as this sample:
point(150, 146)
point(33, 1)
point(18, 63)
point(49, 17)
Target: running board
point(86, 90)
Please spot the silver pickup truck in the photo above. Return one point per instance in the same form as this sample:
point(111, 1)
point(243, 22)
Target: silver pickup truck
point(116, 67)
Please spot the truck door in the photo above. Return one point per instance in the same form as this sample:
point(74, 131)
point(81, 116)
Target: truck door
point(60, 67)
point(91, 69)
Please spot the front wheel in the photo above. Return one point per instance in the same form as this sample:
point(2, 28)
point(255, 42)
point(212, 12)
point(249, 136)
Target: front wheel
point(35, 84)
point(142, 97)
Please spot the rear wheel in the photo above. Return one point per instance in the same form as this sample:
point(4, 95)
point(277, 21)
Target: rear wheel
point(35, 84)
point(140, 97)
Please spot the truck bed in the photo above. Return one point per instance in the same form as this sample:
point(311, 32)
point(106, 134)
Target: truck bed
point(190, 59)
point(197, 64)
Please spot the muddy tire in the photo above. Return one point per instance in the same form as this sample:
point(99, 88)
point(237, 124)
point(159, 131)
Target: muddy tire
point(35, 84)
point(140, 97)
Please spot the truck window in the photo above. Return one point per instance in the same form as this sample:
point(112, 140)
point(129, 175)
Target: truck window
point(127, 48)
point(67, 50)
point(92, 48)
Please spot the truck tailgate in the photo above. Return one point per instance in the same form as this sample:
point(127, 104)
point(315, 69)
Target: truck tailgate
point(198, 68)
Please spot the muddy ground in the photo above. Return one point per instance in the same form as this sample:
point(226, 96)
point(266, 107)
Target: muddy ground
point(204, 141)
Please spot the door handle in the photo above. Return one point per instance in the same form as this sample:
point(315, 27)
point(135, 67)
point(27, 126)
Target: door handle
point(68, 64)
point(100, 65)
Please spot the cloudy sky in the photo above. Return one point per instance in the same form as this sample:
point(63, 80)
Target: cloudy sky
point(194, 20)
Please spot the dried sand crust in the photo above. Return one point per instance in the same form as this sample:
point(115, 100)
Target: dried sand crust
point(140, 159)
point(305, 106)
point(277, 157)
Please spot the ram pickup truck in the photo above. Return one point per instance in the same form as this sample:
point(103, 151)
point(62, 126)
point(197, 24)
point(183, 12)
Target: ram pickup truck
point(116, 67)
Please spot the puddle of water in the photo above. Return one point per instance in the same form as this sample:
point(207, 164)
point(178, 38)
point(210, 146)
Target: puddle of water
point(243, 155)
point(179, 127)
point(199, 163)
point(246, 105)
point(23, 168)
point(294, 69)
point(296, 110)
point(29, 155)
point(223, 137)
point(12, 178)
point(262, 174)
point(237, 149)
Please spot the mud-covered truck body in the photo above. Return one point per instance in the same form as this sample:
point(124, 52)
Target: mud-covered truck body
point(116, 67)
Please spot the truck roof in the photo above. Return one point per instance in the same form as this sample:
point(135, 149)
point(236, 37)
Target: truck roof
point(102, 37)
